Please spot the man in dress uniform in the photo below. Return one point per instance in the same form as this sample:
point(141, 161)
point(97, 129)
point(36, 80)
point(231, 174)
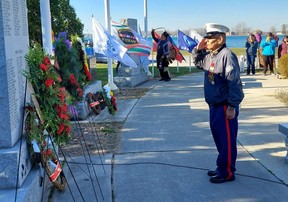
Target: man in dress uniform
point(223, 93)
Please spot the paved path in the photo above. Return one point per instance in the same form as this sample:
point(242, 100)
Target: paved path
point(167, 148)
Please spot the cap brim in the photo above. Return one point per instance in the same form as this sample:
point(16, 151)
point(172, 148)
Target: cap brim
point(211, 34)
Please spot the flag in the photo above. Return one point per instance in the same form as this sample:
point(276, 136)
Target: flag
point(133, 41)
point(185, 42)
point(140, 32)
point(179, 56)
point(196, 36)
point(104, 43)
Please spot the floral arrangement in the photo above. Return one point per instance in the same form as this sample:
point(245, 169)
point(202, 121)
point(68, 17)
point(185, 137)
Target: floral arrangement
point(70, 68)
point(110, 100)
point(51, 96)
point(80, 48)
point(53, 86)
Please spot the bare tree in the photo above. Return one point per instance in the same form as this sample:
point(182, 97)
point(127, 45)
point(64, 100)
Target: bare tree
point(273, 29)
point(201, 31)
point(284, 29)
point(242, 29)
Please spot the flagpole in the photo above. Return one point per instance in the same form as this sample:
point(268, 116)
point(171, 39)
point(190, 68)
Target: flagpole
point(190, 58)
point(153, 73)
point(46, 26)
point(146, 33)
point(189, 62)
point(111, 84)
point(146, 20)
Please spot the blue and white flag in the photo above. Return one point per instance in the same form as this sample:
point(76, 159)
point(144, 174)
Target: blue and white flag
point(185, 42)
point(104, 43)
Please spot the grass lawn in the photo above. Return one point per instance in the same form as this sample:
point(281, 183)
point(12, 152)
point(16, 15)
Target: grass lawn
point(102, 72)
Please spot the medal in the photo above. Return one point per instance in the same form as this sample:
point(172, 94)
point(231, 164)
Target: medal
point(211, 73)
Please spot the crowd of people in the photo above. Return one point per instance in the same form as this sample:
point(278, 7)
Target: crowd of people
point(265, 50)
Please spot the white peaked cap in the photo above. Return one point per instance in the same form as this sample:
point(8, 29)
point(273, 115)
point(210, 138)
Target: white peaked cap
point(214, 28)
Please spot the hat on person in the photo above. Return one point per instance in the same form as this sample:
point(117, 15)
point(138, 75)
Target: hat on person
point(213, 28)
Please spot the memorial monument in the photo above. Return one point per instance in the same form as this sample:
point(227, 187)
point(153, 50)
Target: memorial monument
point(15, 164)
point(129, 76)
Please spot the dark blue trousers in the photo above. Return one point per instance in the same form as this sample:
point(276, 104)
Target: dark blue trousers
point(224, 133)
point(250, 63)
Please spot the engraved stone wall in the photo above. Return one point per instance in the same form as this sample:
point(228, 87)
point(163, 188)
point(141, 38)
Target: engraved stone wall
point(13, 47)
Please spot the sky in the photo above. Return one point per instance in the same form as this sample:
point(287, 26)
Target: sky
point(186, 14)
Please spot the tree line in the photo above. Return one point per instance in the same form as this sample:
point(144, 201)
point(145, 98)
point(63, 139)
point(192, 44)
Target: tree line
point(240, 29)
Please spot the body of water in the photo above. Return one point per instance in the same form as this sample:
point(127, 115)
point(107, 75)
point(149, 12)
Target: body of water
point(231, 41)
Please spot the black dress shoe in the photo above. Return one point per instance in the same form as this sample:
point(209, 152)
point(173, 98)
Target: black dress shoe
point(161, 79)
point(218, 179)
point(212, 173)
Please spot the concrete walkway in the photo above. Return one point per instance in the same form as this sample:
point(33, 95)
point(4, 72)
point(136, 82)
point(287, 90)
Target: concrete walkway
point(167, 148)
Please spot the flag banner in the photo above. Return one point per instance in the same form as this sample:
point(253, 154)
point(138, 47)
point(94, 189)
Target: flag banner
point(195, 35)
point(133, 41)
point(140, 31)
point(185, 42)
point(105, 44)
point(179, 56)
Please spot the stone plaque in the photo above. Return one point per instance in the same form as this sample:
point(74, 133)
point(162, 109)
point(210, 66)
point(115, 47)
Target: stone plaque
point(14, 44)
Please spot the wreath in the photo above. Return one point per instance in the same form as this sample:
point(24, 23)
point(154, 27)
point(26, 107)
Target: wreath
point(80, 48)
point(93, 103)
point(53, 169)
point(69, 66)
point(110, 100)
point(39, 150)
point(50, 96)
point(96, 102)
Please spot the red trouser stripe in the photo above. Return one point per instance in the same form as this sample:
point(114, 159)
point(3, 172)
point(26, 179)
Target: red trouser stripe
point(228, 145)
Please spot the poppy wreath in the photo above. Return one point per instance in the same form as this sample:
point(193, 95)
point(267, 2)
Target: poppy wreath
point(70, 68)
point(46, 156)
point(101, 98)
point(51, 97)
point(53, 169)
point(94, 103)
point(48, 114)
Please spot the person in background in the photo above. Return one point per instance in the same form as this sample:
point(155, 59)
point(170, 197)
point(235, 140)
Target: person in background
point(162, 54)
point(117, 66)
point(258, 38)
point(283, 47)
point(282, 50)
point(276, 38)
point(251, 53)
point(223, 93)
point(268, 52)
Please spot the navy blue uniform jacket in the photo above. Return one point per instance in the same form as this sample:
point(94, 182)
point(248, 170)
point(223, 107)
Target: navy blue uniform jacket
point(222, 83)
